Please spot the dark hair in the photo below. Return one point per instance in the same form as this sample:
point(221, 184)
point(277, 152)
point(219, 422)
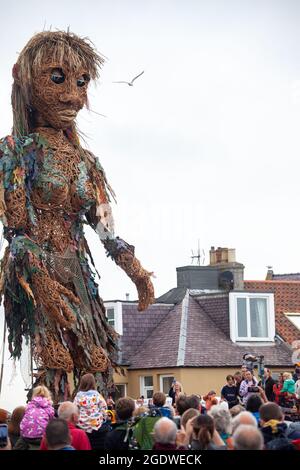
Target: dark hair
point(124, 408)
point(254, 402)
point(270, 411)
point(229, 377)
point(15, 420)
point(187, 415)
point(159, 399)
point(193, 401)
point(87, 382)
point(57, 433)
point(203, 427)
point(182, 404)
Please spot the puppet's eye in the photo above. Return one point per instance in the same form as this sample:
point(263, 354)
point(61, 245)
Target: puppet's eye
point(57, 76)
point(83, 80)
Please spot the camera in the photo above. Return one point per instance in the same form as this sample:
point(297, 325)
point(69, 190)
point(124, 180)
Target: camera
point(253, 389)
point(3, 435)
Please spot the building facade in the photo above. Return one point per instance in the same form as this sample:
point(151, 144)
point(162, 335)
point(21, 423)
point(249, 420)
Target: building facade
point(199, 331)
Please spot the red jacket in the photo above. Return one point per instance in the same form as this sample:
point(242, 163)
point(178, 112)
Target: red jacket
point(79, 439)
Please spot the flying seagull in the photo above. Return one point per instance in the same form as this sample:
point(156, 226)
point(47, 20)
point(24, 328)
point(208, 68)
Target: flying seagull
point(131, 83)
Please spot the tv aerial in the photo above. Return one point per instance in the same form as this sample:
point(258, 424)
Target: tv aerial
point(199, 257)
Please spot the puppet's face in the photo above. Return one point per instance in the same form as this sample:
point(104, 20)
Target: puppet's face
point(58, 93)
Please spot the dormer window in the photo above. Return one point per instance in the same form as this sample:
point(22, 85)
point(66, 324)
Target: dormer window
point(251, 316)
point(294, 318)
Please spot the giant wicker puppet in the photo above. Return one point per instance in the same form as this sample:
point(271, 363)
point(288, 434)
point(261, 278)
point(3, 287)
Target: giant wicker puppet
point(49, 188)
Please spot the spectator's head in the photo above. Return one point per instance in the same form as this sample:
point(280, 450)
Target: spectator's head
point(230, 379)
point(222, 419)
point(203, 430)
point(189, 414)
point(194, 402)
point(4, 416)
point(125, 408)
point(87, 382)
point(182, 404)
point(210, 396)
point(140, 411)
point(42, 391)
point(178, 387)
point(267, 373)
point(280, 378)
point(287, 376)
point(247, 437)
point(15, 420)
point(165, 431)
point(243, 418)
point(223, 404)
point(235, 410)
point(57, 434)
point(243, 371)
point(270, 411)
point(248, 375)
point(68, 411)
point(254, 402)
point(238, 377)
point(159, 399)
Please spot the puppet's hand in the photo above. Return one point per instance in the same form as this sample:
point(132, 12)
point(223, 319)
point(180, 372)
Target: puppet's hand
point(49, 294)
point(145, 290)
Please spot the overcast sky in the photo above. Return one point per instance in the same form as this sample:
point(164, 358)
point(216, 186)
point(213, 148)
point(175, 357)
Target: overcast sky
point(205, 145)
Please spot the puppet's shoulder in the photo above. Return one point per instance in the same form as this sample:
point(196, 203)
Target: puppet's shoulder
point(97, 174)
point(16, 146)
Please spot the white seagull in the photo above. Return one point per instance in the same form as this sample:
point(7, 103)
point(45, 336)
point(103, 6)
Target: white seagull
point(131, 83)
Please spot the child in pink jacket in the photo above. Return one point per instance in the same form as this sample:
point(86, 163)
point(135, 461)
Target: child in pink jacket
point(38, 413)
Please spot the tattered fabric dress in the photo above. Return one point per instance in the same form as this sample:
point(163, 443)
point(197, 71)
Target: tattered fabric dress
point(48, 191)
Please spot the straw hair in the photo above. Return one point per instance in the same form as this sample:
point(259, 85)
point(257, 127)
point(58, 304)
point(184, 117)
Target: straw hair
point(62, 47)
point(287, 376)
point(41, 391)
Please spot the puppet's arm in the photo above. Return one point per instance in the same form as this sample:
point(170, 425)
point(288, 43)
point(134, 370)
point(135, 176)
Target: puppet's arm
point(123, 255)
point(100, 218)
point(13, 211)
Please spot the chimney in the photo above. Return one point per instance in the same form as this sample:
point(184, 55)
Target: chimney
point(127, 296)
point(221, 255)
point(269, 276)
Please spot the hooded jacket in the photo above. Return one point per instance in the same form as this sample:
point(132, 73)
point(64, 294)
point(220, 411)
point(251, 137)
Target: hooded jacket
point(38, 413)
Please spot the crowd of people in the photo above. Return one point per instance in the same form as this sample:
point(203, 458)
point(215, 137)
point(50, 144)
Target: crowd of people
point(248, 415)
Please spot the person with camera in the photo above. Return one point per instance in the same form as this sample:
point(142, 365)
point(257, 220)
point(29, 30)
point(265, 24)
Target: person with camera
point(249, 386)
point(175, 391)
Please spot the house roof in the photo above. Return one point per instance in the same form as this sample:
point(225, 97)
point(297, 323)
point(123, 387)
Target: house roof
point(176, 295)
point(137, 326)
point(290, 277)
point(287, 300)
point(195, 333)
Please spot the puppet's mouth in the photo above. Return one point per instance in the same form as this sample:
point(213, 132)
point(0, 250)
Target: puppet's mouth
point(67, 114)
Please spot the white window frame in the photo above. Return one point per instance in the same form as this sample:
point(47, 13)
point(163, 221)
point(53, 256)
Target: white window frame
point(143, 387)
point(161, 377)
point(117, 306)
point(233, 296)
